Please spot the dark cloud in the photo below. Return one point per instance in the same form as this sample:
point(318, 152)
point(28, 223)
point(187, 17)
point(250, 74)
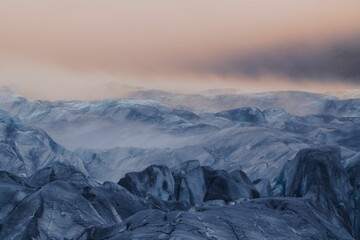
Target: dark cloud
point(337, 62)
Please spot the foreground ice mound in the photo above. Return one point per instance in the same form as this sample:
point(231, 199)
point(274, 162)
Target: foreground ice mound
point(154, 180)
point(353, 168)
point(59, 202)
point(319, 175)
point(285, 218)
point(188, 201)
point(190, 183)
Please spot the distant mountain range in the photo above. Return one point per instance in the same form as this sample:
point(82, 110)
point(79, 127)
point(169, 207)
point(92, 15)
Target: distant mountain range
point(164, 166)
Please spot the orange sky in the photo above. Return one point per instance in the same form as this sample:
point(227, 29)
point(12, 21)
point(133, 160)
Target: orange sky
point(157, 43)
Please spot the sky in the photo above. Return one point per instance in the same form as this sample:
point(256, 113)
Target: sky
point(88, 49)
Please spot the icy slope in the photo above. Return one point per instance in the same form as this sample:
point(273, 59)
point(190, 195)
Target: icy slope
point(182, 173)
point(260, 150)
point(60, 202)
point(297, 103)
point(64, 206)
point(24, 150)
point(318, 174)
point(286, 218)
point(149, 124)
point(190, 183)
point(107, 123)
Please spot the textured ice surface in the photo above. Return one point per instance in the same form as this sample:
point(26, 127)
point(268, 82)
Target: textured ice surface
point(59, 202)
point(353, 168)
point(154, 180)
point(318, 174)
point(284, 218)
point(24, 150)
point(186, 174)
point(190, 183)
point(149, 123)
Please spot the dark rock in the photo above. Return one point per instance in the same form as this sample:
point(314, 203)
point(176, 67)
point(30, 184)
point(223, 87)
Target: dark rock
point(190, 183)
point(245, 114)
point(156, 203)
point(113, 202)
point(12, 191)
point(228, 187)
point(353, 168)
point(264, 188)
point(154, 180)
point(285, 218)
point(57, 172)
point(317, 174)
point(248, 189)
point(56, 211)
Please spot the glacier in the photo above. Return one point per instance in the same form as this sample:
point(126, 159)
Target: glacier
point(279, 165)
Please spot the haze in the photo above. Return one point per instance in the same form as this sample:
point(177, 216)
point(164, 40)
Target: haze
point(82, 49)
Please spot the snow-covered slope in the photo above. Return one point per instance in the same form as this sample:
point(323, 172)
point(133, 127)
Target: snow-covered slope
point(258, 149)
point(185, 173)
point(107, 123)
point(114, 137)
point(151, 124)
point(347, 94)
point(24, 150)
point(297, 103)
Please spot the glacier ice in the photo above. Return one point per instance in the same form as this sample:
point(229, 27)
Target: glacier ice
point(211, 166)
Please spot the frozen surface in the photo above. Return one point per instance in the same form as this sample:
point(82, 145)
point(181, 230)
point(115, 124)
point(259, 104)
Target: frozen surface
point(24, 149)
point(285, 218)
point(190, 183)
point(210, 166)
point(60, 202)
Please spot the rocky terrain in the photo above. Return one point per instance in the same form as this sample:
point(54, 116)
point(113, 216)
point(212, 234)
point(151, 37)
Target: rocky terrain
point(167, 169)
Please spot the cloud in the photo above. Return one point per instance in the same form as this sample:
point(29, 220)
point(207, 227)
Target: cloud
point(158, 37)
point(337, 61)
point(75, 48)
